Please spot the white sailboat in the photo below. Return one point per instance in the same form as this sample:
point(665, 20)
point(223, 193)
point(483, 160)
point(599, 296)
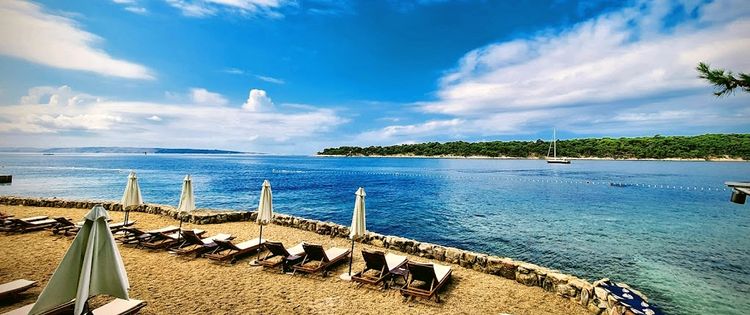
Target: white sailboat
point(553, 148)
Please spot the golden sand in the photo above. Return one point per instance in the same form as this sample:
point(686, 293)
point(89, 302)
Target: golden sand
point(176, 285)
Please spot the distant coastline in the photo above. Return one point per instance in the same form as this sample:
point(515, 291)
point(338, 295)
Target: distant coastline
point(708, 147)
point(479, 157)
point(122, 150)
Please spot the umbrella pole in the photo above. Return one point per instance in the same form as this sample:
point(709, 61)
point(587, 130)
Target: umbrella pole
point(179, 231)
point(260, 239)
point(351, 258)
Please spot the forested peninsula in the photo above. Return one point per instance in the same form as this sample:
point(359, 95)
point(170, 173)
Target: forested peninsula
point(708, 147)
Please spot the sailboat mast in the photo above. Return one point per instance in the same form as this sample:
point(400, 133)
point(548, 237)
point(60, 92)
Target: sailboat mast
point(554, 141)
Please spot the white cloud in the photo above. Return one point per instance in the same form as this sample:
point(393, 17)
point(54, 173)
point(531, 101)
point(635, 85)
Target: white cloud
point(204, 97)
point(622, 73)
point(136, 10)
point(206, 8)
point(28, 32)
point(618, 56)
point(258, 101)
point(233, 71)
point(123, 123)
point(269, 79)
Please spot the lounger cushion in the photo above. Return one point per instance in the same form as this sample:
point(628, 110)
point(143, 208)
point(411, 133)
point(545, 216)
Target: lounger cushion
point(43, 222)
point(221, 237)
point(37, 218)
point(297, 250)
point(14, 286)
point(164, 229)
point(250, 243)
point(118, 306)
point(393, 260)
point(441, 271)
point(335, 252)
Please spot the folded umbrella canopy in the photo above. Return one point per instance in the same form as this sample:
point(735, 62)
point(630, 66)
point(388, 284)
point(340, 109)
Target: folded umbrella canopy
point(91, 266)
point(358, 228)
point(131, 196)
point(187, 201)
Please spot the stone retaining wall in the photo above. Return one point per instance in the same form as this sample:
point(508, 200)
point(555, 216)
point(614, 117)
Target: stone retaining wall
point(566, 286)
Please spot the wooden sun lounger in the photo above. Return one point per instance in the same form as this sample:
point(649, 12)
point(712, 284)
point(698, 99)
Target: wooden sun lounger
point(21, 226)
point(228, 251)
point(13, 288)
point(279, 255)
point(63, 309)
point(136, 236)
point(119, 226)
point(316, 259)
point(7, 219)
point(380, 266)
point(432, 277)
point(166, 240)
point(192, 244)
point(116, 307)
point(120, 307)
point(65, 226)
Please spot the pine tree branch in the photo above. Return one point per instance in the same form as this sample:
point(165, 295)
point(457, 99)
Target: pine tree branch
point(724, 81)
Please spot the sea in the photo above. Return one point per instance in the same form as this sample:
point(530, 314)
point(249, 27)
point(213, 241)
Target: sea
point(666, 228)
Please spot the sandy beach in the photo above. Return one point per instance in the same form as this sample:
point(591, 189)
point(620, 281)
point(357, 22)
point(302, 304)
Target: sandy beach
point(172, 284)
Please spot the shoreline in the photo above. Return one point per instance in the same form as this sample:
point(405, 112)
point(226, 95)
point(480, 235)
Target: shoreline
point(479, 157)
point(567, 287)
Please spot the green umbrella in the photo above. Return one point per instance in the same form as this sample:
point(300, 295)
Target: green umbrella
point(91, 266)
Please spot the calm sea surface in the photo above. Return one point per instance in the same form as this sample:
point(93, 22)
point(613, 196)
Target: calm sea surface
point(666, 228)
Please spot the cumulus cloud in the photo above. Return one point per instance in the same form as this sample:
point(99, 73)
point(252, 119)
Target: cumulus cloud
point(30, 33)
point(123, 123)
point(206, 8)
point(204, 97)
point(258, 101)
point(630, 71)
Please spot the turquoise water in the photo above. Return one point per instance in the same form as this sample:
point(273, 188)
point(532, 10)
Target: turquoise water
point(666, 228)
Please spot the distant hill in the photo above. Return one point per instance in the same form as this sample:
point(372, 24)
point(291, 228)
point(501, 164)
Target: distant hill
point(122, 150)
point(709, 147)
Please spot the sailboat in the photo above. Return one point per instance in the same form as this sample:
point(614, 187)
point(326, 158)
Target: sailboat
point(553, 148)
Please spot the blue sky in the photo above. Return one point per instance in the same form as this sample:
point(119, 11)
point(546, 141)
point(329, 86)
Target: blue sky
point(283, 76)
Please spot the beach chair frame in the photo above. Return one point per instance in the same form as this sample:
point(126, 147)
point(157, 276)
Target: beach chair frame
point(375, 261)
point(315, 254)
point(423, 272)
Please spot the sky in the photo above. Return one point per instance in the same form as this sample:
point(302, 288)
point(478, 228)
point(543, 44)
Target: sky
point(294, 77)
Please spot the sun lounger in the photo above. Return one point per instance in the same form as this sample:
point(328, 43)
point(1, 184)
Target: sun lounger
point(165, 240)
point(380, 267)
point(192, 244)
point(120, 307)
point(430, 278)
point(316, 259)
point(116, 227)
point(22, 226)
point(136, 236)
point(116, 307)
point(13, 288)
point(7, 219)
point(279, 255)
point(228, 251)
point(63, 309)
point(65, 226)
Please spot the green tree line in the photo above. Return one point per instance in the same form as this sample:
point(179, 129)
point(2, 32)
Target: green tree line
point(657, 147)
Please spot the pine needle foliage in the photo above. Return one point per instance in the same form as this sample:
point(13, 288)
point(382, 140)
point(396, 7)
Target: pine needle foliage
point(724, 81)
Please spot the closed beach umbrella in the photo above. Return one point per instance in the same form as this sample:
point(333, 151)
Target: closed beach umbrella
point(187, 200)
point(91, 266)
point(132, 195)
point(359, 226)
point(265, 211)
point(265, 207)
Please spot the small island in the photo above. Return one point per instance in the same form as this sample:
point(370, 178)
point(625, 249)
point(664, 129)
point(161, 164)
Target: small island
point(703, 147)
